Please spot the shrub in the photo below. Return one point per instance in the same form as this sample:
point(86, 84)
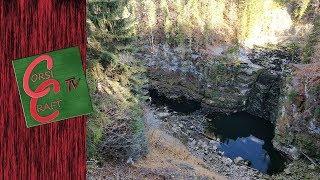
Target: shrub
point(293, 94)
point(307, 144)
point(116, 126)
point(309, 49)
point(317, 113)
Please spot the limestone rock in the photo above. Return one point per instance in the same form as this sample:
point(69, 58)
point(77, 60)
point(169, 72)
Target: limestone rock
point(238, 160)
point(227, 161)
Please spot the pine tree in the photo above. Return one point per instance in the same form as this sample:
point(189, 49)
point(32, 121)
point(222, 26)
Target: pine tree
point(115, 128)
point(111, 30)
point(151, 10)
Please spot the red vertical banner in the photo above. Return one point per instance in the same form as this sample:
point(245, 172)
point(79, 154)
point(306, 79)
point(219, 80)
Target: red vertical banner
point(51, 151)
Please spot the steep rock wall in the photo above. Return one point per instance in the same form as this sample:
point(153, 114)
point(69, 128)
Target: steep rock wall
point(228, 82)
point(298, 123)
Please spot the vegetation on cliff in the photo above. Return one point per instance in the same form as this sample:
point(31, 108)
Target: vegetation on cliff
point(115, 129)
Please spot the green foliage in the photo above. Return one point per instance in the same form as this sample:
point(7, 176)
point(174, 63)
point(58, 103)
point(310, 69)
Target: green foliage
point(96, 119)
point(234, 49)
point(299, 7)
point(294, 50)
point(317, 113)
point(111, 27)
point(250, 11)
point(298, 170)
point(217, 73)
point(309, 49)
point(115, 79)
point(184, 21)
point(307, 144)
point(115, 97)
point(215, 94)
point(315, 89)
point(292, 95)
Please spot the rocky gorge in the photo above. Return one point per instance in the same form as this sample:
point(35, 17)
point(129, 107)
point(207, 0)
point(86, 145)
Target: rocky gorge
point(264, 82)
point(227, 82)
point(232, 93)
point(253, 81)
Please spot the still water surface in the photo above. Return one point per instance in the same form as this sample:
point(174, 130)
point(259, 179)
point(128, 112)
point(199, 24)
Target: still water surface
point(247, 136)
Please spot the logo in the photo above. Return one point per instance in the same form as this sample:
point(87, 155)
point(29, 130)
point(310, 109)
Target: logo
point(52, 86)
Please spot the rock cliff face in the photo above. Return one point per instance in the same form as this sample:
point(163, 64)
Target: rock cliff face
point(176, 73)
point(221, 79)
point(299, 118)
point(263, 99)
point(298, 121)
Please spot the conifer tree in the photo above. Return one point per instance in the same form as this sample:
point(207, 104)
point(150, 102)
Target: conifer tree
point(112, 29)
point(151, 9)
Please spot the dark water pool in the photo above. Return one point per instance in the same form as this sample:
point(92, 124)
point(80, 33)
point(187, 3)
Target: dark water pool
point(181, 104)
point(249, 137)
point(241, 134)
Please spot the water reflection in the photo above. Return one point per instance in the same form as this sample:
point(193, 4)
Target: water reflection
point(249, 148)
point(250, 137)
